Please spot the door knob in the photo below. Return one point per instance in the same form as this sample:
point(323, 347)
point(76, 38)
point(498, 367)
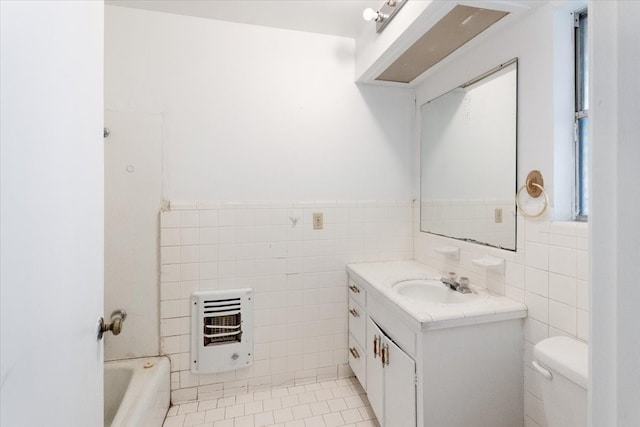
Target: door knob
point(117, 319)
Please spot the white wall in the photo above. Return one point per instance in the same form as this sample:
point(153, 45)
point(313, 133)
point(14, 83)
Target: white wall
point(51, 222)
point(615, 353)
point(133, 182)
point(261, 115)
point(256, 113)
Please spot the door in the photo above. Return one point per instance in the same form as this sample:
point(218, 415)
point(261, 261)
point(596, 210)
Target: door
point(391, 385)
point(400, 387)
point(375, 373)
point(51, 213)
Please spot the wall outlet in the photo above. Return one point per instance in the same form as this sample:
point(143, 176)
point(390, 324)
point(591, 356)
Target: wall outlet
point(497, 215)
point(317, 221)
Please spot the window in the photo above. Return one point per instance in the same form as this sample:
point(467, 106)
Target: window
point(581, 121)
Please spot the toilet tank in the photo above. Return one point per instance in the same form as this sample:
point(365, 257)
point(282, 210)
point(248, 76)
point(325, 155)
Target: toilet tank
point(562, 363)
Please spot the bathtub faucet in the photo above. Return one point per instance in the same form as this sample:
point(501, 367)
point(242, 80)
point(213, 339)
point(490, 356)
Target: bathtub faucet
point(117, 319)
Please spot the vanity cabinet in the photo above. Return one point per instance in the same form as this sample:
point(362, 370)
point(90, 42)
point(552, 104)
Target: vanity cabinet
point(435, 368)
point(383, 369)
point(390, 380)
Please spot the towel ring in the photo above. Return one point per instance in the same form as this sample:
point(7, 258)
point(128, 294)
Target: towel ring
point(534, 186)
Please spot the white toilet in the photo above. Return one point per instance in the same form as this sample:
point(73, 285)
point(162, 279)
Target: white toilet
point(563, 366)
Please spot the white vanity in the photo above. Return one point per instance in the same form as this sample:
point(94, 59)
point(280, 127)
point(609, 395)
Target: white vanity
point(451, 363)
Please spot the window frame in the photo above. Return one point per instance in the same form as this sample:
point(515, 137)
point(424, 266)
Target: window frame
point(581, 111)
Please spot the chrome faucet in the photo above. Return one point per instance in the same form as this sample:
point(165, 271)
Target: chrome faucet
point(450, 281)
point(462, 286)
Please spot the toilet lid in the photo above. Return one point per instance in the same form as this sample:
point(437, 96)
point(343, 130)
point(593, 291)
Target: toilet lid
point(566, 356)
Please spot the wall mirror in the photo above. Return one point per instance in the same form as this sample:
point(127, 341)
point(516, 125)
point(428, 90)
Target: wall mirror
point(468, 160)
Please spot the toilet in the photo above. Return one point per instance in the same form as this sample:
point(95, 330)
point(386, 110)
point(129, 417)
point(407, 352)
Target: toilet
point(562, 364)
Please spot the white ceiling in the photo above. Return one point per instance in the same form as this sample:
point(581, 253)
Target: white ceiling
point(335, 17)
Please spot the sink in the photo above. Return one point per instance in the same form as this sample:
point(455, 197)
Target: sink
point(434, 292)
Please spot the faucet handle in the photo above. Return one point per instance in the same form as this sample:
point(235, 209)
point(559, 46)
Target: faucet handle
point(464, 285)
point(452, 275)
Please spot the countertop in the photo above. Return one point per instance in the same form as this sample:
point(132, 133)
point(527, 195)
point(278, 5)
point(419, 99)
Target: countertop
point(378, 279)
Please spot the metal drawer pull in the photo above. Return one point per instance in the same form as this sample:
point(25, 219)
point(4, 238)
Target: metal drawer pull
point(385, 355)
point(354, 289)
point(386, 359)
point(354, 352)
point(354, 312)
point(376, 343)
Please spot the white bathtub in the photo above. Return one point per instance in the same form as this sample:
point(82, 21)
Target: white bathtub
point(136, 392)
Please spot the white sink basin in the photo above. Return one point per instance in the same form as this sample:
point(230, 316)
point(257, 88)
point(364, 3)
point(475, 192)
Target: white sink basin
point(434, 292)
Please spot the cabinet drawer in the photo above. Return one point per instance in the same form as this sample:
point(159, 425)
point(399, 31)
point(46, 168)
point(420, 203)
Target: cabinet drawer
point(358, 294)
point(357, 322)
point(358, 361)
point(393, 326)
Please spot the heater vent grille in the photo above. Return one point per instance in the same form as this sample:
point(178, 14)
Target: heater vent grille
point(222, 322)
point(222, 330)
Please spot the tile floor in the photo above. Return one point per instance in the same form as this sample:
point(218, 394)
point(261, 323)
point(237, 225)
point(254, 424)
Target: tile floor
point(340, 402)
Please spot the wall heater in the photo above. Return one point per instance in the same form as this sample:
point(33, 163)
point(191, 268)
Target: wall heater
point(221, 330)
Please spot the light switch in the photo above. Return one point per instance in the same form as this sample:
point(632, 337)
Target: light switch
point(497, 215)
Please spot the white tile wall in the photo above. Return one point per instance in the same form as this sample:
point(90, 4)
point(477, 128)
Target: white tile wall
point(549, 273)
point(298, 275)
point(299, 278)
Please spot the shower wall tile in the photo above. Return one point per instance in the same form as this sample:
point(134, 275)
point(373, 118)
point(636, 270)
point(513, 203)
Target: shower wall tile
point(170, 219)
point(298, 275)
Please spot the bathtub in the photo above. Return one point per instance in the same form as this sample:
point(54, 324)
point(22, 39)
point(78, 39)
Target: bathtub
point(136, 392)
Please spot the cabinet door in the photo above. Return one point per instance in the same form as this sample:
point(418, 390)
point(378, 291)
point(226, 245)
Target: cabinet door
point(357, 361)
point(399, 387)
point(375, 374)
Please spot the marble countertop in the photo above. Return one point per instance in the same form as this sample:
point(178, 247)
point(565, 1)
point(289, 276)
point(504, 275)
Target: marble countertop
point(378, 279)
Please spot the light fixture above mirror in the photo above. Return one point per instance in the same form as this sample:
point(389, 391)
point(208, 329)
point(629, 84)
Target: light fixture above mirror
point(456, 28)
point(383, 16)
